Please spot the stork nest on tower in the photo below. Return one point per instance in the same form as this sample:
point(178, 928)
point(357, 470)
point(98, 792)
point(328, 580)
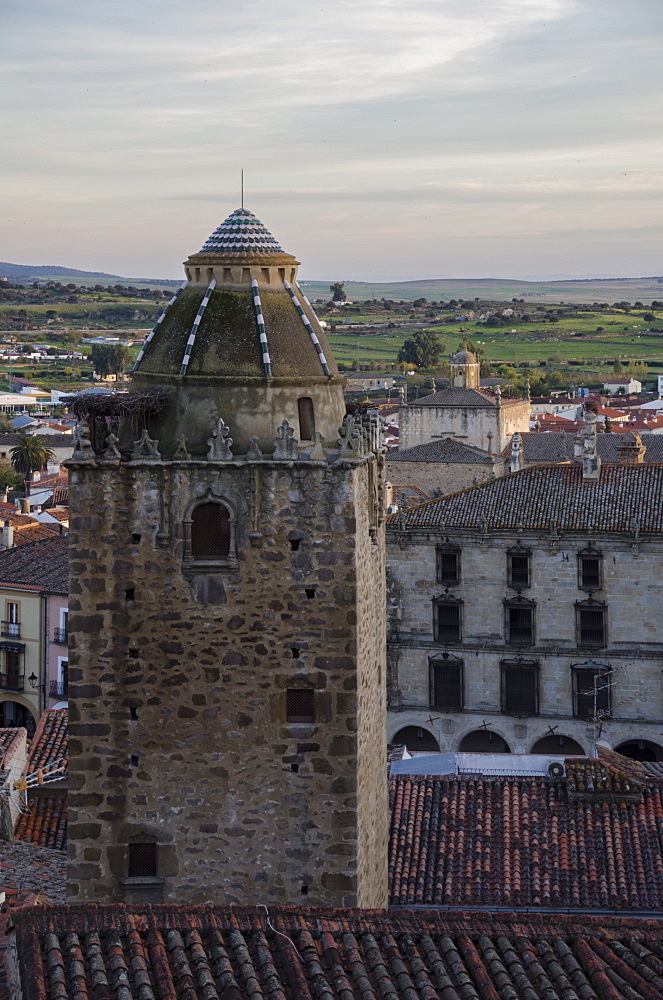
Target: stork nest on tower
point(142, 403)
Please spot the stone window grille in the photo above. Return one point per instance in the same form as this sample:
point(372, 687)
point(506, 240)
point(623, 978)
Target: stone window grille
point(448, 564)
point(519, 615)
point(306, 415)
point(447, 619)
point(300, 705)
point(591, 623)
point(592, 690)
point(142, 861)
point(518, 567)
point(209, 534)
point(520, 687)
point(590, 564)
point(446, 682)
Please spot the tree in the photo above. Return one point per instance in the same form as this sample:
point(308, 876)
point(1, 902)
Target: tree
point(109, 359)
point(648, 317)
point(617, 367)
point(31, 455)
point(338, 291)
point(423, 350)
point(8, 478)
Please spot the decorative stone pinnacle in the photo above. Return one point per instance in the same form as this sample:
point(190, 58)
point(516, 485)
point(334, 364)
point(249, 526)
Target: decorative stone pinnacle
point(220, 444)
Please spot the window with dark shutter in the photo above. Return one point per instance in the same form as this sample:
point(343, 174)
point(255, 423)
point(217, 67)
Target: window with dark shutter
point(447, 621)
point(520, 623)
point(591, 625)
point(142, 861)
point(518, 568)
point(520, 682)
point(210, 531)
point(446, 682)
point(448, 566)
point(589, 572)
point(300, 705)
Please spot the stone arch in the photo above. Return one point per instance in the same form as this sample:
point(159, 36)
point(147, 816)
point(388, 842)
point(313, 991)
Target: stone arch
point(557, 745)
point(416, 738)
point(640, 749)
point(483, 741)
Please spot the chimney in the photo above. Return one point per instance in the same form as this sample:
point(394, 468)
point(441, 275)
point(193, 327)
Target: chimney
point(591, 463)
point(7, 535)
point(25, 505)
point(631, 450)
point(516, 453)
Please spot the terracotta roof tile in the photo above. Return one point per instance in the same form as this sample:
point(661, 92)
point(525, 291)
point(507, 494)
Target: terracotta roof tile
point(408, 495)
point(46, 823)
point(460, 397)
point(26, 868)
point(557, 446)
point(49, 744)
point(543, 842)
point(241, 953)
point(9, 742)
point(545, 496)
point(42, 563)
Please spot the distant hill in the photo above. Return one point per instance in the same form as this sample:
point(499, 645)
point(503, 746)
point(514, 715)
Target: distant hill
point(26, 273)
point(499, 289)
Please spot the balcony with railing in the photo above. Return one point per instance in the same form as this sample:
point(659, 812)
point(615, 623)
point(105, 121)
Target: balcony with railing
point(60, 636)
point(10, 630)
point(12, 682)
point(58, 689)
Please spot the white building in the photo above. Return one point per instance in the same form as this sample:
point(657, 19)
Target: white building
point(623, 386)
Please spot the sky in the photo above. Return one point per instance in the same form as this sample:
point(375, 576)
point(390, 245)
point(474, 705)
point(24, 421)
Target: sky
point(389, 140)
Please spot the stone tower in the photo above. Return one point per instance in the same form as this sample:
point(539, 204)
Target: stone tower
point(464, 372)
point(227, 663)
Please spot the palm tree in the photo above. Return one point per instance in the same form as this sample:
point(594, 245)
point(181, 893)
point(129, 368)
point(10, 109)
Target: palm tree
point(31, 455)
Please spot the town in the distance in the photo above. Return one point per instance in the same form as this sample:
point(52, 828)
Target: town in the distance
point(331, 638)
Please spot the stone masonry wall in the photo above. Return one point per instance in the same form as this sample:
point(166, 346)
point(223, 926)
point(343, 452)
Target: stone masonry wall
point(442, 477)
point(632, 591)
point(177, 708)
point(470, 424)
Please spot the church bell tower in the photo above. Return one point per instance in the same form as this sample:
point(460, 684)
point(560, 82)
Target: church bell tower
point(227, 660)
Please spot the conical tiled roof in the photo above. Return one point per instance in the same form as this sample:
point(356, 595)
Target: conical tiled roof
point(241, 233)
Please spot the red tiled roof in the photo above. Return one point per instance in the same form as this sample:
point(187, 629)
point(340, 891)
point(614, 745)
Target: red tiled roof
point(526, 841)
point(26, 868)
point(10, 740)
point(49, 744)
point(42, 565)
point(33, 533)
point(116, 952)
point(46, 823)
point(59, 513)
point(61, 495)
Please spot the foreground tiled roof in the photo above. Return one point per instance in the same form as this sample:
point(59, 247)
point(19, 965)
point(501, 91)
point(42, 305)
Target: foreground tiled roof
point(9, 743)
point(543, 497)
point(223, 953)
point(49, 744)
point(25, 868)
point(241, 233)
point(46, 823)
point(444, 450)
point(40, 563)
point(526, 841)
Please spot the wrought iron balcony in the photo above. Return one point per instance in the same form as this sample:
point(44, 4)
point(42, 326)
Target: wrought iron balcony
point(60, 636)
point(12, 682)
point(11, 630)
point(58, 689)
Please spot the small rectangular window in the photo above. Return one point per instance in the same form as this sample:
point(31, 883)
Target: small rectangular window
point(518, 569)
point(520, 689)
point(447, 622)
point(591, 623)
point(142, 860)
point(520, 624)
point(448, 566)
point(300, 705)
point(589, 572)
point(306, 418)
point(446, 683)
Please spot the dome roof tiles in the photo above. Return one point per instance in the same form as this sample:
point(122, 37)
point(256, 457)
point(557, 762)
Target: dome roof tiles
point(242, 233)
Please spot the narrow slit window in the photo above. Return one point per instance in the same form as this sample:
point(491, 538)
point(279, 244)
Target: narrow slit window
point(142, 861)
point(210, 531)
point(306, 418)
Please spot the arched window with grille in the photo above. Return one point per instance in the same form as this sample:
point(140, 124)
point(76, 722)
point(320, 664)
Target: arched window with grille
point(209, 532)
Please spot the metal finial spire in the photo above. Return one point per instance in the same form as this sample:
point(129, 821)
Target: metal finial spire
point(242, 185)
